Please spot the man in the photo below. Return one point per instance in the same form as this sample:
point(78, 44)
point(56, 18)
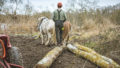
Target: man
point(59, 18)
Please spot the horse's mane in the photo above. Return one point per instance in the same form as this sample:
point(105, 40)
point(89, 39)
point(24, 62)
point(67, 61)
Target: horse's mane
point(40, 21)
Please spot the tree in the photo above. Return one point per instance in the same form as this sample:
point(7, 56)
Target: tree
point(82, 5)
point(16, 2)
point(28, 8)
point(2, 2)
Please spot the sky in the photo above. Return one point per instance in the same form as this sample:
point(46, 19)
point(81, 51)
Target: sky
point(46, 4)
point(42, 5)
point(51, 5)
point(108, 2)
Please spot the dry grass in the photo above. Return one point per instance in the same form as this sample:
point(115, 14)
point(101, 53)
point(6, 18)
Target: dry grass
point(81, 22)
point(20, 28)
point(89, 26)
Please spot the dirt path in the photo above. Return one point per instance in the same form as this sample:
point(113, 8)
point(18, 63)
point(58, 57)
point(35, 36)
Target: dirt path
point(33, 51)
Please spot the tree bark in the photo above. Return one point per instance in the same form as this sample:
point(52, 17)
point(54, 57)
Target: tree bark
point(50, 57)
point(93, 56)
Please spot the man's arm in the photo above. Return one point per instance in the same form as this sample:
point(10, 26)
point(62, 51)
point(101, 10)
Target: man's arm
point(53, 16)
point(65, 17)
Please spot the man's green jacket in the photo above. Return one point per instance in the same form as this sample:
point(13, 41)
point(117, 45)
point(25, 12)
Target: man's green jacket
point(59, 15)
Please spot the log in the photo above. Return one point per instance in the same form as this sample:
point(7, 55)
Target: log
point(81, 47)
point(49, 58)
point(115, 65)
point(91, 56)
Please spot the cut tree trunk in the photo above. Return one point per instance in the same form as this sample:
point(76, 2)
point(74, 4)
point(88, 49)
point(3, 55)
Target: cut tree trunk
point(91, 55)
point(81, 47)
point(50, 57)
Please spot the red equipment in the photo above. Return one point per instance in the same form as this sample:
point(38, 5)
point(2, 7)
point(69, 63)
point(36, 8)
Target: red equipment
point(5, 49)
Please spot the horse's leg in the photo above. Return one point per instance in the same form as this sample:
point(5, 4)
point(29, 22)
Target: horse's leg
point(41, 35)
point(48, 38)
point(54, 37)
point(67, 39)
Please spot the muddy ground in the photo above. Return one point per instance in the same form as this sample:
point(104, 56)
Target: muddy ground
point(33, 51)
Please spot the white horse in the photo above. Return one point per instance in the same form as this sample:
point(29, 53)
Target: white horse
point(47, 28)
